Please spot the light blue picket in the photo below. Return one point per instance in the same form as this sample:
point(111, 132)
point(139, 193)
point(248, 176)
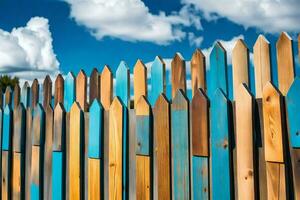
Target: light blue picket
point(218, 71)
point(58, 179)
point(180, 146)
point(69, 91)
point(7, 128)
point(123, 83)
point(293, 112)
point(220, 147)
point(199, 178)
point(158, 79)
point(95, 145)
point(25, 95)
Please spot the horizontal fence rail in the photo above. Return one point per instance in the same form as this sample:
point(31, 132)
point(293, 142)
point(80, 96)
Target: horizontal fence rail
point(78, 140)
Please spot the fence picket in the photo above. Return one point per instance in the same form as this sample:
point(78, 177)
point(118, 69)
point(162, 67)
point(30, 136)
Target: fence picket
point(81, 90)
point(140, 81)
point(59, 90)
point(28, 151)
point(122, 83)
point(94, 86)
point(158, 79)
point(106, 87)
point(8, 96)
point(178, 74)
point(25, 95)
point(47, 91)
point(34, 93)
point(198, 71)
point(17, 94)
point(69, 91)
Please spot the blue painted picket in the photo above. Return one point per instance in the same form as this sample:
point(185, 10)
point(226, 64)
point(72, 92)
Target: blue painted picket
point(25, 95)
point(95, 148)
point(122, 83)
point(218, 71)
point(199, 178)
point(293, 112)
point(220, 147)
point(69, 91)
point(180, 146)
point(7, 128)
point(158, 79)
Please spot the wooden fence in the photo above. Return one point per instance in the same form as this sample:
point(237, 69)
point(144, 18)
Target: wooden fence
point(208, 147)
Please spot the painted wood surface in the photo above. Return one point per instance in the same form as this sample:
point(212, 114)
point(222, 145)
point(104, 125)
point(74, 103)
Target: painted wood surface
point(106, 165)
point(245, 143)
point(69, 91)
point(35, 88)
point(122, 83)
point(218, 71)
point(262, 64)
point(47, 91)
point(106, 87)
point(59, 90)
point(198, 71)
point(139, 81)
point(94, 86)
point(25, 95)
point(7, 128)
point(59, 126)
point(8, 96)
point(132, 154)
point(240, 65)
point(178, 74)
point(285, 62)
point(158, 79)
point(28, 151)
point(221, 180)
point(17, 95)
point(38, 125)
point(180, 146)
point(81, 90)
point(200, 178)
point(162, 149)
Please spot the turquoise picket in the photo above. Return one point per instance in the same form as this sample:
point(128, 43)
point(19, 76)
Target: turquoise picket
point(69, 91)
point(220, 147)
point(95, 145)
point(143, 134)
point(180, 146)
point(25, 95)
point(199, 178)
point(7, 128)
point(122, 83)
point(158, 79)
point(218, 71)
point(293, 112)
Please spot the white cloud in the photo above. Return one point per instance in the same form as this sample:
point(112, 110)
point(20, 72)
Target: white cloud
point(271, 16)
point(131, 20)
point(27, 52)
point(194, 40)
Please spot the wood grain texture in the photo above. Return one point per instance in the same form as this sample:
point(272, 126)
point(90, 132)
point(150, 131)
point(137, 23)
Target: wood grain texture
point(200, 178)
point(47, 91)
point(18, 179)
point(59, 126)
point(17, 94)
point(81, 90)
point(198, 71)
point(139, 81)
point(115, 172)
point(75, 153)
point(218, 71)
point(36, 180)
point(276, 181)
point(295, 154)
point(38, 125)
point(143, 178)
point(94, 85)
point(132, 154)
point(273, 131)
point(285, 62)
point(59, 90)
point(221, 180)
point(69, 91)
point(240, 65)
point(19, 130)
point(180, 146)
point(8, 96)
point(178, 74)
point(199, 124)
point(262, 64)
point(158, 79)
point(106, 87)
point(245, 143)
point(28, 151)
point(106, 154)
point(94, 179)
point(34, 92)
point(25, 95)
point(161, 147)
point(6, 175)
point(123, 83)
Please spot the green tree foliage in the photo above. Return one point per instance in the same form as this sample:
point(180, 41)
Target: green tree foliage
point(6, 80)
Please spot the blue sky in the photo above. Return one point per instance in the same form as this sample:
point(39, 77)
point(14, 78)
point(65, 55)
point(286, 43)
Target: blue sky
point(92, 33)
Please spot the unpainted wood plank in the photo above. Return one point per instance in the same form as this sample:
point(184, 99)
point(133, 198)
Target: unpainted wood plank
point(199, 124)
point(34, 92)
point(81, 90)
point(139, 81)
point(178, 74)
point(295, 154)
point(240, 65)
point(220, 157)
point(123, 83)
point(273, 131)
point(25, 95)
point(158, 79)
point(69, 91)
point(59, 90)
point(162, 149)
point(218, 71)
point(276, 181)
point(106, 154)
point(198, 71)
point(94, 179)
point(200, 178)
point(94, 85)
point(36, 180)
point(8, 96)
point(75, 153)
point(285, 62)
point(180, 146)
point(6, 175)
point(106, 87)
point(47, 91)
point(17, 93)
point(59, 128)
point(262, 64)
point(115, 172)
point(143, 177)
point(19, 135)
point(28, 151)
point(244, 143)
point(18, 179)
point(38, 125)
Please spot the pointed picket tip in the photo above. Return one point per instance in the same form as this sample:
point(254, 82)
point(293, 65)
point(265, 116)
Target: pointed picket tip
point(199, 95)
point(158, 61)
point(49, 109)
point(7, 109)
point(38, 109)
point(94, 72)
point(35, 82)
point(261, 39)
point(116, 103)
point(47, 80)
point(218, 47)
point(17, 95)
point(243, 94)
point(59, 108)
point(8, 90)
point(70, 76)
point(270, 90)
point(122, 67)
point(26, 85)
point(239, 45)
point(8, 95)
point(59, 79)
point(58, 127)
point(81, 73)
point(96, 105)
point(294, 88)
point(75, 107)
point(17, 88)
point(106, 70)
point(284, 37)
point(139, 64)
point(161, 100)
point(197, 53)
point(180, 101)
point(219, 95)
point(178, 57)
point(143, 106)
